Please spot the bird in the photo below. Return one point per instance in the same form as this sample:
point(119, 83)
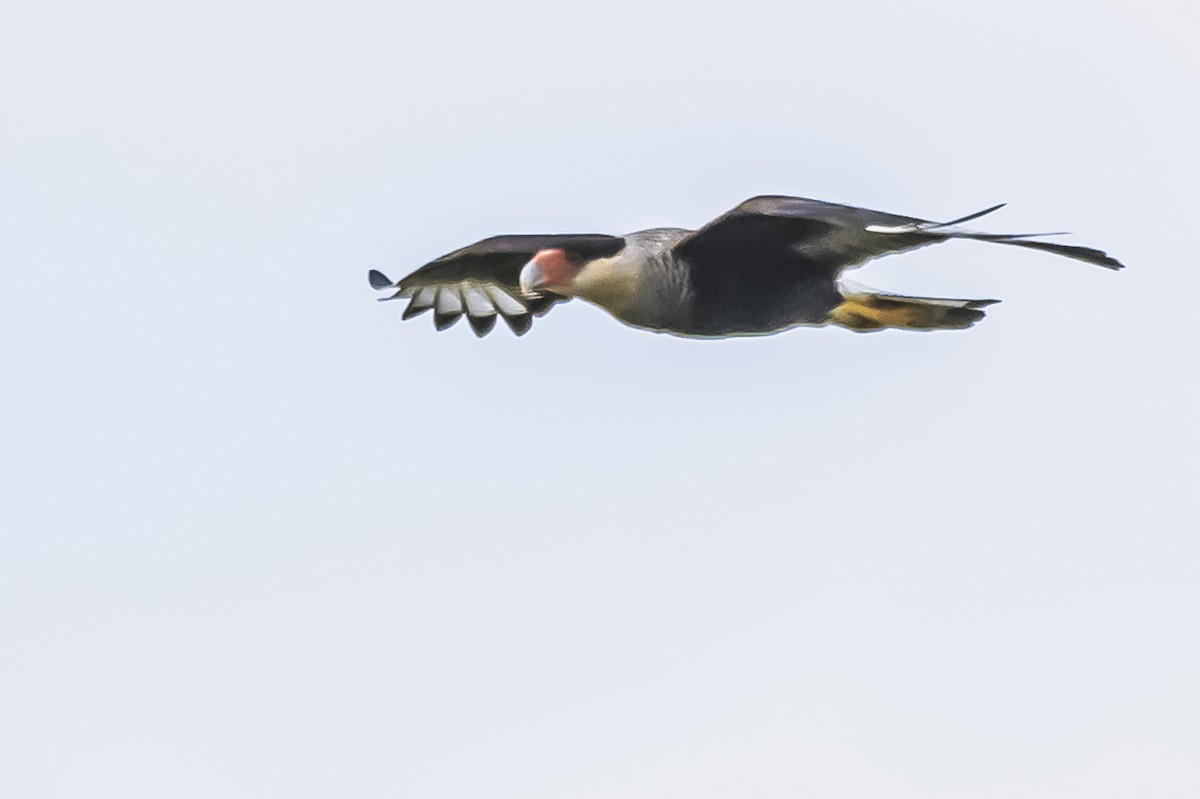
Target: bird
point(771, 264)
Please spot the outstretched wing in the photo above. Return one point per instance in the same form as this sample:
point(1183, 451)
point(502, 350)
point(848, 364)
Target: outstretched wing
point(482, 280)
point(773, 232)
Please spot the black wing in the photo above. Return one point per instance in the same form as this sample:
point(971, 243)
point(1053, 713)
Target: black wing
point(789, 232)
point(775, 261)
point(482, 280)
point(826, 238)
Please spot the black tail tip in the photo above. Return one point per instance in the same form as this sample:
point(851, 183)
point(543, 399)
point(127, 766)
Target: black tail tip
point(379, 280)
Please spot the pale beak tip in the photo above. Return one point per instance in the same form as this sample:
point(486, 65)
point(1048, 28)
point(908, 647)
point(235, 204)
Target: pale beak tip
point(531, 279)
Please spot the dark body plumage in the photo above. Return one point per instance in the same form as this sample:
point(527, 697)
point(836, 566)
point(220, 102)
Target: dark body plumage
point(770, 264)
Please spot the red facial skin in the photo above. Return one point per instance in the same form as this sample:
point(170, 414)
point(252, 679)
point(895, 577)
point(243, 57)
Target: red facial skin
point(557, 269)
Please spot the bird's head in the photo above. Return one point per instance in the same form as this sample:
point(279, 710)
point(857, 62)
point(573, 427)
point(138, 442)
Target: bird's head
point(608, 280)
point(552, 270)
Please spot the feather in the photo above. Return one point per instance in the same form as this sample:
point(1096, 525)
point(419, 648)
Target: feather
point(422, 301)
point(379, 280)
point(447, 308)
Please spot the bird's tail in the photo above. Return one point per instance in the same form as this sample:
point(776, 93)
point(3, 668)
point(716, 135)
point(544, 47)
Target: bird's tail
point(864, 309)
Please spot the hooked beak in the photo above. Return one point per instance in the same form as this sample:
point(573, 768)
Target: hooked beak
point(550, 270)
point(532, 279)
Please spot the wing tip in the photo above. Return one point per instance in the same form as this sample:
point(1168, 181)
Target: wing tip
point(445, 321)
point(481, 325)
point(519, 324)
point(1088, 255)
point(969, 217)
point(379, 280)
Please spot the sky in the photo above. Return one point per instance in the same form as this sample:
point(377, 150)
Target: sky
point(259, 538)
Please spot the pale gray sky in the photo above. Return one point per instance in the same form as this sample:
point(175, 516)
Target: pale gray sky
point(261, 539)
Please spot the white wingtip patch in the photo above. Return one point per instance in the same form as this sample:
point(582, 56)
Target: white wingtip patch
point(478, 305)
point(448, 301)
point(892, 228)
point(504, 302)
point(480, 302)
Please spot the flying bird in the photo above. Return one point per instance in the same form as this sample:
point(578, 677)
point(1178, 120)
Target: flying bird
point(770, 264)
